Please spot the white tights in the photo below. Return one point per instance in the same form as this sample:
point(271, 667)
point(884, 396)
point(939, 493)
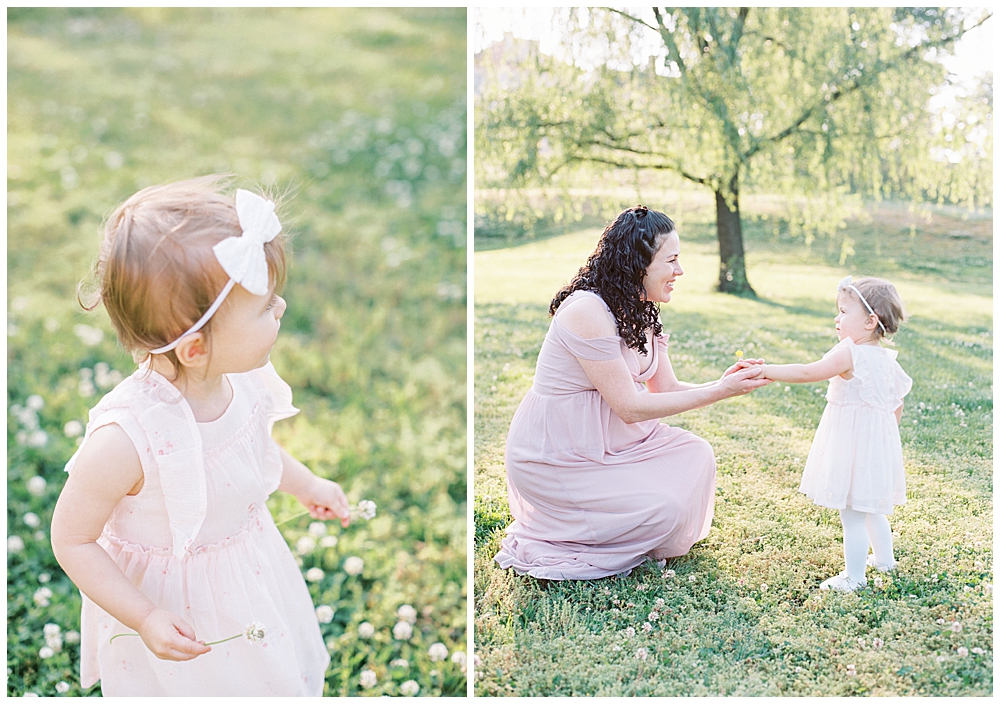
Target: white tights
point(860, 529)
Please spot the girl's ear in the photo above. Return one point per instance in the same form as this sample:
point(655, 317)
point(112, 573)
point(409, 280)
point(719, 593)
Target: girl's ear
point(192, 351)
point(872, 322)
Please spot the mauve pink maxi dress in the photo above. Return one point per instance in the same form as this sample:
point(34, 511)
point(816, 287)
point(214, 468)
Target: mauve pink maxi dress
point(591, 495)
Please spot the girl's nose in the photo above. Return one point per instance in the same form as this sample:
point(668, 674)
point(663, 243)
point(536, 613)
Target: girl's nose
point(279, 308)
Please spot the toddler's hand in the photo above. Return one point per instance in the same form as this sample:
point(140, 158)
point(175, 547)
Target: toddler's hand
point(326, 501)
point(742, 364)
point(170, 637)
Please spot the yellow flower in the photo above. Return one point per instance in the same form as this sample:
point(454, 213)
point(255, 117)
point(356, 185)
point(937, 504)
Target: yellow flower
point(739, 354)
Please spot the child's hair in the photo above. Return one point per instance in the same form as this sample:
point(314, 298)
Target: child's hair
point(884, 300)
point(157, 273)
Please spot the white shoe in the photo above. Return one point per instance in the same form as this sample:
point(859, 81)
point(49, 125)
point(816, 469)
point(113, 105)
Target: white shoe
point(843, 583)
point(881, 568)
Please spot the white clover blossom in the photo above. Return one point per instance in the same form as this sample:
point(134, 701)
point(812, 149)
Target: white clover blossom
point(641, 654)
point(407, 613)
point(30, 694)
point(328, 541)
point(255, 632)
point(44, 578)
point(438, 652)
point(851, 671)
point(693, 578)
point(62, 687)
point(36, 485)
point(354, 565)
point(459, 658)
point(629, 632)
point(38, 438)
point(366, 509)
point(877, 642)
point(46, 652)
point(15, 543)
point(35, 402)
point(409, 688)
point(660, 602)
point(402, 630)
point(305, 544)
point(72, 636)
point(317, 529)
point(956, 627)
point(647, 627)
point(962, 651)
point(763, 586)
point(73, 428)
point(366, 630)
point(53, 636)
point(88, 335)
point(32, 520)
point(42, 596)
point(979, 651)
point(667, 574)
point(315, 574)
point(654, 616)
point(324, 613)
point(368, 678)
point(400, 662)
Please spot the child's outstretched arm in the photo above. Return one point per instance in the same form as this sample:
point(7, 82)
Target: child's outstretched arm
point(106, 470)
point(324, 498)
point(827, 368)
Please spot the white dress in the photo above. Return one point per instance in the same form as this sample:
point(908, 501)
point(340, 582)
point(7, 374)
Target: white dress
point(856, 459)
point(199, 541)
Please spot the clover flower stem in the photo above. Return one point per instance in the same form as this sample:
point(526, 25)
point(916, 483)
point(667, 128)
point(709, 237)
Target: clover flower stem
point(292, 518)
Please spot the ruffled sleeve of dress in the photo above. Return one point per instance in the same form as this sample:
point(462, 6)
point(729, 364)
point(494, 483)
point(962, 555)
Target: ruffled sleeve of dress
point(160, 423)
point(276, 398)
point(597, 349)
point(903, 383)
point(878, 373)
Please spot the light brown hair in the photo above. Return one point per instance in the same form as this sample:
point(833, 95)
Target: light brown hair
point(156, 272)
point(884, 300)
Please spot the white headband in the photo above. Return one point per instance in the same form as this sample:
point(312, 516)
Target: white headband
point(241, 257)
point(846, 283)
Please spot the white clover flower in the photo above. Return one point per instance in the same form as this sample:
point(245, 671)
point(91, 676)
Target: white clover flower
point(763, 586)
point(354, 565)
point(940, 622)
point(978, 651)
point(368, 678)
point(693, 578)
point(851, 671)
point(38, 438)
point(324, 613)
point(46, 652)
point(366, 509)
point(660, 602)
point(641, 588)
point(647, 627)
point(317, 529)
point(877, 581)
point(438, 652)
point(861, 642)
point(962, 651)
point(44, 577)
point(654, 616)
point(305, 544)
point(255, 632)
point(402, 630)
point(73, 428)
point(459, 658)
point(407, 613)
point(629, 632)
point(939, 658)
point(88, 335)
point(328, 541)
point(36, 485)
point(30, 694)
point(35, 402)
point(877, 642)
point(409, 688)
point(315, 574)
point(72, 636)
point(641, 654)
point(956, 627)
point(62, 687)
point(366, 630)
point(15, 543)
point(42, 596)
point(400, 662)
point(667, 574)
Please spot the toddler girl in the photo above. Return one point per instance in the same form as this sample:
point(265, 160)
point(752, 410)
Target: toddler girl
point(162, 523)
point(856, 460)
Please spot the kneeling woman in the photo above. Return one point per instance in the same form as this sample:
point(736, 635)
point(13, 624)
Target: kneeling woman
point(596, 483)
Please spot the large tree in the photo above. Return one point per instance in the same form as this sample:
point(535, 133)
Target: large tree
point(791, 100)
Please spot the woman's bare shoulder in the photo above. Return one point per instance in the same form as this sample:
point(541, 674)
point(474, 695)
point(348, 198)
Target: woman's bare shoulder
point(588, 317)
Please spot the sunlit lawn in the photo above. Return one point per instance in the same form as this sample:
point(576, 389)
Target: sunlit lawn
point(742, 614)
point(356, 118)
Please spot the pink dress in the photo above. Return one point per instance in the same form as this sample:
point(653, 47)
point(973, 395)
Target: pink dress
point(592, 495)
point(199, 541)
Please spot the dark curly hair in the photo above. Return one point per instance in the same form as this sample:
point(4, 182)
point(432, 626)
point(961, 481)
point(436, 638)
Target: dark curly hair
point(616, 269)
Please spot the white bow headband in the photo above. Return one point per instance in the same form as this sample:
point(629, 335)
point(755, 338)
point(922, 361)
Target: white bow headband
point(241, 257)
point(846, 283)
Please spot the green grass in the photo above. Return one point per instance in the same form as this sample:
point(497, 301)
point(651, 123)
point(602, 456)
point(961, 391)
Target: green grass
point(743, 614)
point(358, 118)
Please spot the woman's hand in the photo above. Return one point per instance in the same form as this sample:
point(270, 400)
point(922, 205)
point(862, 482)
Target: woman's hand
point(170, 637)
point(743, 380)
point(742, 364)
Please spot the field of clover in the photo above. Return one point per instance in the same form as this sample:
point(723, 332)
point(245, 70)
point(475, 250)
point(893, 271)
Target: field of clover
point(741, 614)
point(356, 120)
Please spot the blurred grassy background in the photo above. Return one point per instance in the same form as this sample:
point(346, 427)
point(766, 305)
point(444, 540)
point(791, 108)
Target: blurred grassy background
point(358, 119)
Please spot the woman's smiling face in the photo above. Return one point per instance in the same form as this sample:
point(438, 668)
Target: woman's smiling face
point(664, 269)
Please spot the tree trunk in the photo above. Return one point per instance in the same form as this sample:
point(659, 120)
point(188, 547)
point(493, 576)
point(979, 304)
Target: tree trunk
point(732, 264)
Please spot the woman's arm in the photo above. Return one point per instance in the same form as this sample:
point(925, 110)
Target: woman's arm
point(836, 363)
point(615, 384)
point(106, 470)
point(324, 498)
